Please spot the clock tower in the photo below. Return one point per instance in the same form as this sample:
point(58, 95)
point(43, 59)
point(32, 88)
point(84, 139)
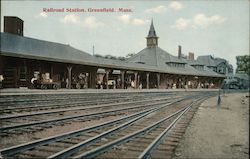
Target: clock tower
point(152, 38)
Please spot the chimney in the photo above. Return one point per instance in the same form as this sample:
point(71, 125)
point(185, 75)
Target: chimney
point(191, 56)
point(179, 51)
point(13, 25)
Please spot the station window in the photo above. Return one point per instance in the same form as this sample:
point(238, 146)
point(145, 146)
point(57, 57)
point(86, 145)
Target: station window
point(140, 62)
point(173, 64)
point(198, 67)
point(23, 73)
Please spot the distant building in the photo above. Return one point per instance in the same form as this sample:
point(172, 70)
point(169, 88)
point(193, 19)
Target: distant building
point(239, 80)
point(218, 65)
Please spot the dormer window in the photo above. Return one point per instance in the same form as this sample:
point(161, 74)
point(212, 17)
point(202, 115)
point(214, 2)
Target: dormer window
point(175, 64)
point(198, 67)
point(140, 62)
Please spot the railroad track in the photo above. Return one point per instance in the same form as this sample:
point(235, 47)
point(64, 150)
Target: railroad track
point(55, 104)
point(116, 104)
point(120, 123)
point(101, 134)
point(137, 142)
point(104, 111)
point(45, 97)
point(22, 147)
point(18, 106)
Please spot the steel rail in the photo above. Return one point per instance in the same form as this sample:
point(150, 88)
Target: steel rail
point(94, 152)
point(41, 106)
point(81, 93)
point(70, 118)
point(26, 146)
point(49, 104)
point(147, 151)
point(37, 99)
point(82, 108)
point(75, 96)
point(71, 150)
point(69, 95)
point(160, 137)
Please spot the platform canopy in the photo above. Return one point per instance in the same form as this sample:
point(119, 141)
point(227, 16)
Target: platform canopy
point(148, 60)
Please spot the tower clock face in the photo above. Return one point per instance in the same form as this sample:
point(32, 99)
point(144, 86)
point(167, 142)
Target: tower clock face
point(154, 41)
point(150, 41)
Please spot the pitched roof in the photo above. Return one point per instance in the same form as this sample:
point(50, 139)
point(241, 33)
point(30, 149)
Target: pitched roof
point(207, 60)
point(25, 47)
point(219, 61)
point(33, 47)
point(194, 63)
point(155, 58)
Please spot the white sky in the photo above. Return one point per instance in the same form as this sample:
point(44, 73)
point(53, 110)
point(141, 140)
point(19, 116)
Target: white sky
point(219, 28)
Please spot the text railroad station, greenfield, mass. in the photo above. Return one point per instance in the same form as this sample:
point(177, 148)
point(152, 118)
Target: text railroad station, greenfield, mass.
point(87, 10)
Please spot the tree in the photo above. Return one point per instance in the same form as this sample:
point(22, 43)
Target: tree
point(130, 55)
point(243, 64)
point(97, 55)
point(121, 58)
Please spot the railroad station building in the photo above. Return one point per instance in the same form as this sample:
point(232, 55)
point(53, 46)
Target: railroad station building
point(22, 58)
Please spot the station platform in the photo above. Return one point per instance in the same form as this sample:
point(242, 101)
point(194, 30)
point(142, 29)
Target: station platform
point(25, 91)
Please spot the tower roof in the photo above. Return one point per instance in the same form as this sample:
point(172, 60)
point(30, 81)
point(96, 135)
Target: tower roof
point(152, 32)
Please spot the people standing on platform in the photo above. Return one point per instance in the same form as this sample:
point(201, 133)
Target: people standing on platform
point(67, 83)
point(132, 84)
point(99, 83)
point(1, 81)
point(34, 80)
point(140, 86)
